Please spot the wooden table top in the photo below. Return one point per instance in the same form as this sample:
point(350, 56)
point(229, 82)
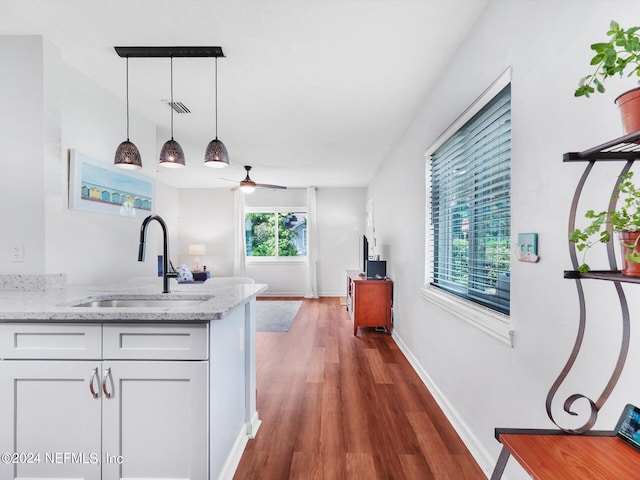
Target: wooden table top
point(566, 457)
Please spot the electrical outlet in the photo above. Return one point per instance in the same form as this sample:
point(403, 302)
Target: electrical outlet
point(17, 253)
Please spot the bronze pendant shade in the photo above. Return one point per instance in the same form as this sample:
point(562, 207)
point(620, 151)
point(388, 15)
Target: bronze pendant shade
point(216, 155)
point(127, 154)
point(171, 154)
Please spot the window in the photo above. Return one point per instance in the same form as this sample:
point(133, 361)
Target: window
point(276, 234)
point(469, 229)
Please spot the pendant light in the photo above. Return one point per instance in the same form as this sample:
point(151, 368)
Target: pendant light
point(216, 155)
point(171, 154)
point(127, 154)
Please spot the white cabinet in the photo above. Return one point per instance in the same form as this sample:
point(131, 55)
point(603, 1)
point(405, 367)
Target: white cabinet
point(50, 341)
point(155, 342)
point(154, 425)
point(47, 410)
point(101, 418)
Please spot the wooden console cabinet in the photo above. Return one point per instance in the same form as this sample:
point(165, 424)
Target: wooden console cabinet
point(369, 301)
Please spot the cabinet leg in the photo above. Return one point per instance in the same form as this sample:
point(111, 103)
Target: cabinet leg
point(500, 464)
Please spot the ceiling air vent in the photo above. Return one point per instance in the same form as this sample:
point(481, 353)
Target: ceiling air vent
point(178, 107)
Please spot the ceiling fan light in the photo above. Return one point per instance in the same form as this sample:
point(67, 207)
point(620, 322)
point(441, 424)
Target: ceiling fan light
point(247, 186)
point(216, 155)
point(171, 155)
point(128, 156)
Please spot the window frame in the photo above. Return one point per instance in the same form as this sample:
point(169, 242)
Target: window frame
point(276, 258)
point(490, 321)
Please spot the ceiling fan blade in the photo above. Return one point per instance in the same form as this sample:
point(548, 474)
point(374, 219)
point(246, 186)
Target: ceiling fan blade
point(266, 185)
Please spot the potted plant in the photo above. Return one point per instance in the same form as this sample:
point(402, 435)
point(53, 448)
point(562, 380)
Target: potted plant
point(620, 55)
point(625, 220)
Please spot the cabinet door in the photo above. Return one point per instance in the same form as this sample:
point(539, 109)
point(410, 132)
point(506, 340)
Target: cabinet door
point(155, 420)
point(50, 419)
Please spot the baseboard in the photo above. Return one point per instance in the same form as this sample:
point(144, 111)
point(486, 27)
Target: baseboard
point(253, 425)
point(484, 459)
point(270, 293)
point(233, 459)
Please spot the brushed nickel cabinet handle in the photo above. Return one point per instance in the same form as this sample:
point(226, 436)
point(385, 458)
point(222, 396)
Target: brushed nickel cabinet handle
point(94, 375)
point(107, 375)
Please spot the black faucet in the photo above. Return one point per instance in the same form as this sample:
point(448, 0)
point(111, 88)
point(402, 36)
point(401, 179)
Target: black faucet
point(166, 274)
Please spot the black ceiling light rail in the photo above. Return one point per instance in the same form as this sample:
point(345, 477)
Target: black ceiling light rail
point(158, 52)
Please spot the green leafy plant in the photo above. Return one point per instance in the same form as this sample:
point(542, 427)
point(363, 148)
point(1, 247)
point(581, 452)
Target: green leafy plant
point(619, 55)
point(625, 217)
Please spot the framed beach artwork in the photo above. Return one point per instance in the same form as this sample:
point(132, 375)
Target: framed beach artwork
point(97, 186)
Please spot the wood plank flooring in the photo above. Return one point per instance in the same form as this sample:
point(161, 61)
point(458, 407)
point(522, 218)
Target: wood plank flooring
point(334, 406)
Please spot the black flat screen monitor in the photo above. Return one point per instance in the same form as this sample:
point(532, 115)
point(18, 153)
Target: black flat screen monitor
point(365, 253)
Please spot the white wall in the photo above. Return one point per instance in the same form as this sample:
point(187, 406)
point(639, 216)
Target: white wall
point(94, 248)
point(54, 108)
point(22, 159)
point(341, 221)
point(482, 382)
point(206, 217)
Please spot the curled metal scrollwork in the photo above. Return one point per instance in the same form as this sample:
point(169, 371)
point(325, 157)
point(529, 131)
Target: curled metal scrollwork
point(596, 405)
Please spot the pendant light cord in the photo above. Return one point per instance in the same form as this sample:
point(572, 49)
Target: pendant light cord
point(171, 98)
point(216, 90)
point(127, 98)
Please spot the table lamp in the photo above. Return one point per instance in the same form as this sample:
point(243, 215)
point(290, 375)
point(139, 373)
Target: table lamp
point(196, 250)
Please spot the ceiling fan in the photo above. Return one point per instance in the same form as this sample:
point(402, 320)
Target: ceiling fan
point(247, 185)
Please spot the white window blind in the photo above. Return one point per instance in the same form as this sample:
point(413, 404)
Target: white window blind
point(471, 207)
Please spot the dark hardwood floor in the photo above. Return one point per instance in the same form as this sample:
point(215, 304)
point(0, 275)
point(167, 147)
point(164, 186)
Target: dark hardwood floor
point(334, 406)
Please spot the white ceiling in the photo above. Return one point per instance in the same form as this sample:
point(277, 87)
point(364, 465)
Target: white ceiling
point(310, 92)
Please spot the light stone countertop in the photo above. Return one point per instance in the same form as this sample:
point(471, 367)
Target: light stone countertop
point(57, 305)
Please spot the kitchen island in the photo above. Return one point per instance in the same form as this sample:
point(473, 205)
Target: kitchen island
point(108, 383)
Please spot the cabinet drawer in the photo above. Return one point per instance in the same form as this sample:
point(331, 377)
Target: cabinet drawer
point(50, 341)
point(155, 342)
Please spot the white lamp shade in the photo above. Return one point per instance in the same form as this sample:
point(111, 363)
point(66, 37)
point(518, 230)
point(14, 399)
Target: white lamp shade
point(196, 250)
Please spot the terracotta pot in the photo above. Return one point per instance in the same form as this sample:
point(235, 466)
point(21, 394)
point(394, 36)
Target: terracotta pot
point(628, 242)
point(629, 106)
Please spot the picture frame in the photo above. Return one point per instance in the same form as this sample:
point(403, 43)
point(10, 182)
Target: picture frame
point(97, 186)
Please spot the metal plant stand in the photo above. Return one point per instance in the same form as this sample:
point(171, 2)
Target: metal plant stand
point(625, 149)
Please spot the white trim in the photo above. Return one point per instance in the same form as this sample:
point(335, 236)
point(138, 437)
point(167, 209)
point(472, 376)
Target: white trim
point(270, 293)
point(502, 81)
point(257, 260)
point(475, 446)
point(233, 459)
point(494, 323)
point(275, 209)
point(275, 259)
point(253, 425)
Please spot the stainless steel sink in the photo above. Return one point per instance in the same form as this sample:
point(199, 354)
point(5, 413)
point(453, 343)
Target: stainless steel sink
point(143, 302)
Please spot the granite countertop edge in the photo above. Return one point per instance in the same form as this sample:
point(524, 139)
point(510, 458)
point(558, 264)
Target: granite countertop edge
point(58, 306)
